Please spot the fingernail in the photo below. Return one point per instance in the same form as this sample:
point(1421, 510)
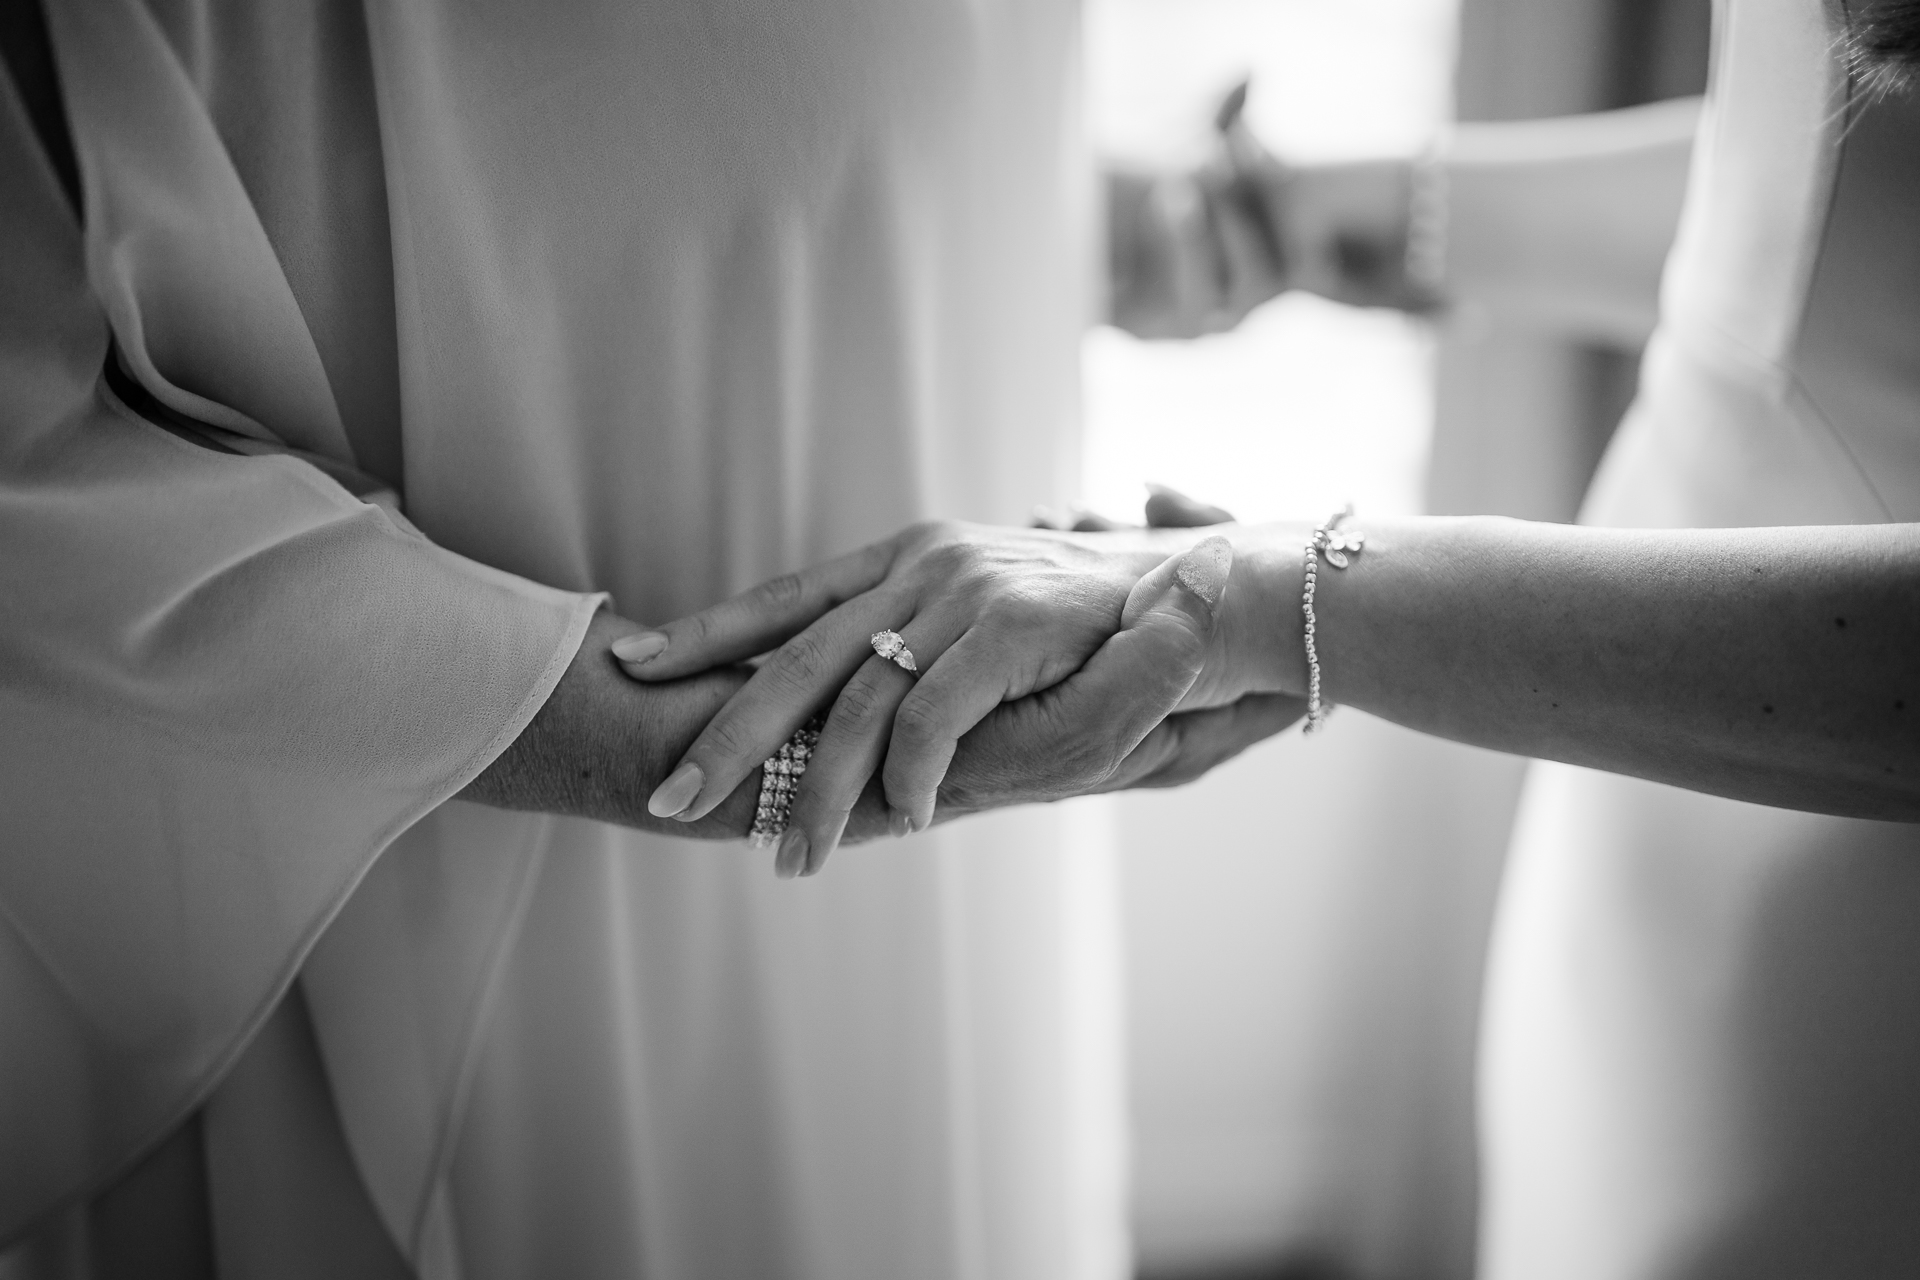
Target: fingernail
point(792, 856)
point(1231, 107)
point(671, 798)
point(901, 824)
point(639, 646)
point(1203, 569)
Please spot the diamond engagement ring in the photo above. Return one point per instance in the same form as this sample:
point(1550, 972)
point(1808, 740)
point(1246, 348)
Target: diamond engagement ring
point(890, 646)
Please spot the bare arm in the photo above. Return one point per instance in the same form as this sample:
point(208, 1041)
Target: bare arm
point(1569, 221)
point(1780, 666)
point(1566, 221)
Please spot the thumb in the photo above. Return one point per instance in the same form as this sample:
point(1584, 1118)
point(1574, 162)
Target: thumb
point(1168, 508)
point(1190, 584)
point(1076, 735)
point(1151, 662)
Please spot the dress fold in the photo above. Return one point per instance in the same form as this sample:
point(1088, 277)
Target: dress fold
point(226, 684)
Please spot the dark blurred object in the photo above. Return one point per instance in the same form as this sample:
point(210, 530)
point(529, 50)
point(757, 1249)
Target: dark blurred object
point(29, 61)
point(1302, 1267)
point(1165, 509)
point(1191, 252)
point(1883, 45)
point(1169, 508)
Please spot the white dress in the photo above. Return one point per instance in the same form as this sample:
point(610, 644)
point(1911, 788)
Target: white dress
point(655, 300)
point(1701, 1047)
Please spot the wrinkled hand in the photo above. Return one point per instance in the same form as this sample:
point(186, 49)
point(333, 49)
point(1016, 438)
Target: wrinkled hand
point(600, 743)
point(1016, 755)
point(992, 616)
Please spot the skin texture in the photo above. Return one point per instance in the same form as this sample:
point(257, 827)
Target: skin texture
point(992, 617)
point(1002, 612)
point(1780, 666)
point(603, 742)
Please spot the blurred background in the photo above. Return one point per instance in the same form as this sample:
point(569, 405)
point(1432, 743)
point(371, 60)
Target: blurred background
point(1306, 927)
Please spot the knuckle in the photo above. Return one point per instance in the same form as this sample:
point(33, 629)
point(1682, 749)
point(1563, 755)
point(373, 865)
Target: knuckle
point(810, 803)
point(968, 793)
point(1019, 606)
point(860, 703)
point(948, 561)
point(802, 657)
point(924, 534)
point(695, 631)
point(918, 723)
point(1086, 759)
point(877, 558)
point(784, 592)
point(900, 778)
point(726, 739)
point(1084, 764)
point(946, 530)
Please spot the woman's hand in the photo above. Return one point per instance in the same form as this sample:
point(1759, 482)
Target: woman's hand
point(1192, 252)
point(990, 616)
point(1015, 756)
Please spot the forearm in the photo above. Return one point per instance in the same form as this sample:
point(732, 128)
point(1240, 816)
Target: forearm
point(1775, 665)
point(1566, 222)
point(602, 743)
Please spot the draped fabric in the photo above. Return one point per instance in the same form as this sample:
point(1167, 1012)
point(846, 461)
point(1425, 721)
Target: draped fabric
point(654, 300)
point(1702, 1031)
point(228, 682)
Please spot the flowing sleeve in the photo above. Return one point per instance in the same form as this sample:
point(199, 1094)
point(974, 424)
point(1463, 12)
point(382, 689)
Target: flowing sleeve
point(226, 682)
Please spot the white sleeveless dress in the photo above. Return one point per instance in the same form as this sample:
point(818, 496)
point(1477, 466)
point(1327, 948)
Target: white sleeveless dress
point(1701, 1042)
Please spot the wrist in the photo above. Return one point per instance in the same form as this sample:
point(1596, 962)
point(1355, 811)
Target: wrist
point(1347, 227)
point(602, 742)
point(1257, 646)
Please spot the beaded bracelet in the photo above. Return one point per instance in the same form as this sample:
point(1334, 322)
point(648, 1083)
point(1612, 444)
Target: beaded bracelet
point(1337, 547)
point(779, 779)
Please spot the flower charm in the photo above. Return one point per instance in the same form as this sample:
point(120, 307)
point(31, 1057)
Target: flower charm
point(1338, 544)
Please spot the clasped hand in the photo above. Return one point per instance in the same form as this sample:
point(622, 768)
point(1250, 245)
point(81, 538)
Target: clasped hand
point(1050, 664)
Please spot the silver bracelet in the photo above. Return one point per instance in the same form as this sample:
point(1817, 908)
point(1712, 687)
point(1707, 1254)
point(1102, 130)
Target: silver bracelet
point(779, 779)
point(1337, 547)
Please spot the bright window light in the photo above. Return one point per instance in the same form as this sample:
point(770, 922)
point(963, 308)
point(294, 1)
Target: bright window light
point(1308, 404)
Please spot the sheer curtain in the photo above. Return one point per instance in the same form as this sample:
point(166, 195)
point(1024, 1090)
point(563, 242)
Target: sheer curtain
point(1306, 927)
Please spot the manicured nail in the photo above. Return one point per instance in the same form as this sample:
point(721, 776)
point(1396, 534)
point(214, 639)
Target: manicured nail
point(673, 796)
point(791, 859)
point(639, 646)
point(1203, 569)
point(901, 824)
point(1232, 107)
